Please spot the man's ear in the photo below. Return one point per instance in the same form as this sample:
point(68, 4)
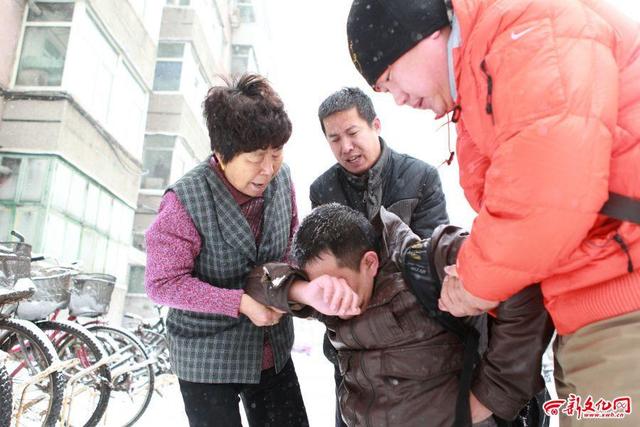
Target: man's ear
point(435, 35)
point(369, 263)
point(377, 125)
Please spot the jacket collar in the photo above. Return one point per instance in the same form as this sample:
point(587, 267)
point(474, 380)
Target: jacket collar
point(395, 237)
point(454, 42)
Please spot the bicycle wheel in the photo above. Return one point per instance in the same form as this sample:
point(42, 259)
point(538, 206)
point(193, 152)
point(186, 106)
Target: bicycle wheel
point(91, 393)
point(132, 376)
point(6, 402)
point(157, 349)
point(37, 402)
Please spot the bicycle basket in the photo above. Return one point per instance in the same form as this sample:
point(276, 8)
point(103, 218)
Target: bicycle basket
point(91, 294)
point(52, 293)
point(18, 248)
point(13, 266)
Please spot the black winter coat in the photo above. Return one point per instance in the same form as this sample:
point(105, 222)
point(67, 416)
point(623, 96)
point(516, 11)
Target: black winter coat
point(404, 185)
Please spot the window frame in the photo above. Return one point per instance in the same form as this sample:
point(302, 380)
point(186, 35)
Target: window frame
point(150, 147)
point(248, 6)
point(47, 212)
point(250, 56)
point(42, 24)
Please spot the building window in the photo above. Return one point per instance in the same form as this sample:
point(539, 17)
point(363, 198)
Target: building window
point(243, 59)
point(64, 214)
point(44, 44)
point(168, 66)
point(245, 11)
point(167, 77)
point(51, 11)
point(9, 171)
point(157, 158)
point(178, 69)
point(136, 279)
point(99, 78)
point(23, 180)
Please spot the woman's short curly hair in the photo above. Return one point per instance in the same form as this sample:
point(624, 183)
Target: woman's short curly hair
point(245, 115)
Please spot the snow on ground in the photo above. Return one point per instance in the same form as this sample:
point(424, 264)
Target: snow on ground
point(314, 372)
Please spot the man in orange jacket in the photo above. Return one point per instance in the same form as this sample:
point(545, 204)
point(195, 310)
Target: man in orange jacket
point(546, 100)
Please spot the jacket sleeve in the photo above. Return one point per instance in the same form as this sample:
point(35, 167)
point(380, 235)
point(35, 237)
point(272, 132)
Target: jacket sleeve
point(554, 112)
point(269, 284)
point(431, 210)
point(313, 196)
point(508, 375)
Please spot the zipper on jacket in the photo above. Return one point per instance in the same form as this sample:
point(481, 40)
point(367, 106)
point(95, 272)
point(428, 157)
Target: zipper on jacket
point(457, 110)
point(364, 372)
point(625, 249)
point(489, 104)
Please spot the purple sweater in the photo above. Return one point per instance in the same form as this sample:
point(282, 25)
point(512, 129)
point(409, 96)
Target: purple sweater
point(173, 244)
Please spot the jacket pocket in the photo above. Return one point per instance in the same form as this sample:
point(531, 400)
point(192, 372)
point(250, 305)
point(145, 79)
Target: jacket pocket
point(381, 329)
point(422, 362)
point(421, 383)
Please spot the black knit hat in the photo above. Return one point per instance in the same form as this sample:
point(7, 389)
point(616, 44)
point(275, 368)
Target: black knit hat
point(381, 31)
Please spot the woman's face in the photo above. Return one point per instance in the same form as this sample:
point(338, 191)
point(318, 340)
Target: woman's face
point(250, 173)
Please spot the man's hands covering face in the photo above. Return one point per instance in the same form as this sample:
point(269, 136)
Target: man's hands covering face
point(329, 295)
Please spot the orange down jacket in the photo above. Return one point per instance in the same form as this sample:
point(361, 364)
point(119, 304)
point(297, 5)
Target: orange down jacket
point(549, 93)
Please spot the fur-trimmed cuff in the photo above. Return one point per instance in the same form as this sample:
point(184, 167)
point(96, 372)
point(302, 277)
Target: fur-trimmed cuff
point(269, 284)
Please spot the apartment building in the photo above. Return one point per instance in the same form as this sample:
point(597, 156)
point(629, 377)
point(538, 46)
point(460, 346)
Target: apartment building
point(75, 81)
point(100, 110)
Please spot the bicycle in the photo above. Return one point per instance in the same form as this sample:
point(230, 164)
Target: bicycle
point(132, 373)
point(6, 393)
point(152, 334)
point(89, 376)
point(31, 363)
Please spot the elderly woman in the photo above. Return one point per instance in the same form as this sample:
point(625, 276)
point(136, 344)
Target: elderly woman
point(234, 211)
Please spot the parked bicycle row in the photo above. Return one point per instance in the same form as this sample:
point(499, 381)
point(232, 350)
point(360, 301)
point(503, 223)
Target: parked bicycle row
point(60, 362)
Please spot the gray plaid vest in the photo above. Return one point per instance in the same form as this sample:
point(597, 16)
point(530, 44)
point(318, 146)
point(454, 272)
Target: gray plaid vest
point(213, 348)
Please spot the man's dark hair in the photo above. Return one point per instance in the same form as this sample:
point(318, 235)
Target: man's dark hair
point(335, 228)
point(346, 99)
point(245, 115)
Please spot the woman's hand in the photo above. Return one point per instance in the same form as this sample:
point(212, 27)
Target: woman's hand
point(260, 315)
point(329, 295)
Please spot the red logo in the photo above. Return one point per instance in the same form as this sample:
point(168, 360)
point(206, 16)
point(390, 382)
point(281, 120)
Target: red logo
point(574, 405)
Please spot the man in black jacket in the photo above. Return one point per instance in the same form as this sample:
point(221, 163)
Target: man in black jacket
point(368, 174)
